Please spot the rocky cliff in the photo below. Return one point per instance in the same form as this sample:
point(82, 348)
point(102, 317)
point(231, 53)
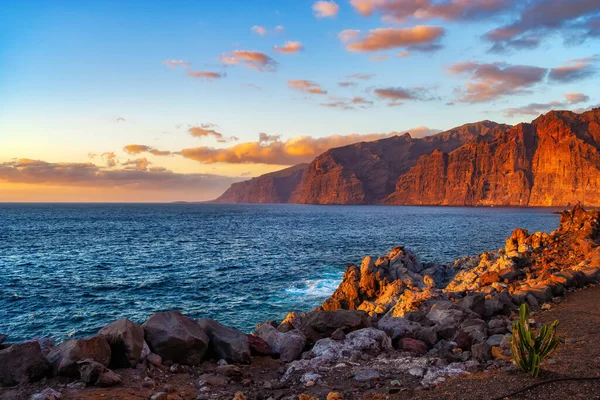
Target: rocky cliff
point(275, 187)
point(366, 172)
point(553, 161)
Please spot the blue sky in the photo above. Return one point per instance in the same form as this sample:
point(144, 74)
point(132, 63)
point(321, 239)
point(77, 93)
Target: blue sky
point(89, 77)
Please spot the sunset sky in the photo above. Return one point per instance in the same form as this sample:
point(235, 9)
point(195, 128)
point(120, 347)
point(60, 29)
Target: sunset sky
point(175, 100)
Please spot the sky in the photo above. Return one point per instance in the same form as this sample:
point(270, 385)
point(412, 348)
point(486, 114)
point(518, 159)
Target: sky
point(157, 101)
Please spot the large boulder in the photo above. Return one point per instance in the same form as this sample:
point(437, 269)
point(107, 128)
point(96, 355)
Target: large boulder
point(126, 340)
point(65, 356)
point(22, 363)
point(447, 314)
point(397, 327)
point(369, 340)
point(259, 347)
point(327, 322)
point(176, 337)
point(225, 342)
point(289, 345)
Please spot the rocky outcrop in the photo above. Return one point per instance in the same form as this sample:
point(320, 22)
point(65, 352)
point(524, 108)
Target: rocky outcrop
point(126, 340)
point(553, 161)
point(226, 343)
point(275, 187)
point(175, 337)
point(66, 356)
point(22, 363)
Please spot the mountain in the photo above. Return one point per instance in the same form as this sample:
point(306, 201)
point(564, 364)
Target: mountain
point(552, 161)
point(366, 172)
point(275, 187)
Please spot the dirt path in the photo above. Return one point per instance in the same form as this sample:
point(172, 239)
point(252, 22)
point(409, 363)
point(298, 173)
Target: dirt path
point(578, 356)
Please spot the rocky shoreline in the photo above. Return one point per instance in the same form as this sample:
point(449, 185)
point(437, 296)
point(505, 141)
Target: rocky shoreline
point(393, 325)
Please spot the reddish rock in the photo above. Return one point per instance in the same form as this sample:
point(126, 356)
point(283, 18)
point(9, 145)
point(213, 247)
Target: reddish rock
point(259, 347)
point(412, 346)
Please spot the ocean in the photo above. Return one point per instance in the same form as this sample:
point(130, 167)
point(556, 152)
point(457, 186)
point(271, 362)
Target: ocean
point(66, 270)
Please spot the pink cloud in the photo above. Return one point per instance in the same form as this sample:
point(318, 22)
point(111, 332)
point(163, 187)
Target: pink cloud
point(389, 38)
point(173, 64)
point(325, 9)
point(574, 70)
point(259, 30)
point(205, 75)
point(306, 86)
point(289, 47)
point(252, 59)
point(491, 81)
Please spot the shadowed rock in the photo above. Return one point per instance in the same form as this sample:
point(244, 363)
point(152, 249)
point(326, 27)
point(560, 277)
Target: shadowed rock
point(126, 340)
point(225, 342)
point(22, 363)
point(65, 356)
point(176, 337)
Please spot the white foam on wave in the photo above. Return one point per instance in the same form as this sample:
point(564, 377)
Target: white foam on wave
point(318, 288)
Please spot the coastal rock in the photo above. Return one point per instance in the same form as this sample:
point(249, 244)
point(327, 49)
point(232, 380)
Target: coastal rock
point(46, 394)
point(363, 341)
point(397, 327)
point(126, 340)
point(225, 342)
point(176, 337)
point(259, 347)
point(319, 324)
point(65, 356)
point(22, 363)
point(413, 346)
point(289, 346)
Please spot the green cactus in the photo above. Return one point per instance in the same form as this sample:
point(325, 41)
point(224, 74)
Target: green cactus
point(529, 347)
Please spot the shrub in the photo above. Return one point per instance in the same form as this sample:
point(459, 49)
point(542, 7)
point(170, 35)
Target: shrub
point(530, 347)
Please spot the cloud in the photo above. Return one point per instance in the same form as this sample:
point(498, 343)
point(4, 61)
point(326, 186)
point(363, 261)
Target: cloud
point(576, 97)
point(251, 59)
point(389, 38)
point(347, 84)
point(173, 64)
point(279, 29)
point(362, 77)
point(205, 75)
point(289, 47)
point(206, 130)
point(491, 81)
point(306, 86)
point(348, 104)
point(574, 70)
point(541, 108)
point(325, 9)
point(266, 138)
point(449, 10)
point(110, 159)
point(539, 18)
point(289, 152)
point(140, 148)
point(403, 54)
point(259, 30)
point(137, 177)
point(139, 164)
point(396, 95)
point(422, 131)
point(348, 35)
point(120, 119)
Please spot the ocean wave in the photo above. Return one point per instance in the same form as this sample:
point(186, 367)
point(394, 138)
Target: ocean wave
point(314, 288)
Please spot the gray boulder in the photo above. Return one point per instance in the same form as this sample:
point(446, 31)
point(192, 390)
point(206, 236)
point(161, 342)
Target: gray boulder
point(22, 363)
point(288, 345)
point(447, 314)
point(46, 394)
point(176, 337)
point(225, 342)
point(65, 356)
point(397, 327)
point(126, 340)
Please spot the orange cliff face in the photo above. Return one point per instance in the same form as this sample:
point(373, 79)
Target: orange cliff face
point(554, 161)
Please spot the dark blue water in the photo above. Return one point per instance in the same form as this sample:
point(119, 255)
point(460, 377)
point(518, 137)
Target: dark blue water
point(72, 268)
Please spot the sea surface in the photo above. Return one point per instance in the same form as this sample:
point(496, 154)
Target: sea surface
point(69, 269)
